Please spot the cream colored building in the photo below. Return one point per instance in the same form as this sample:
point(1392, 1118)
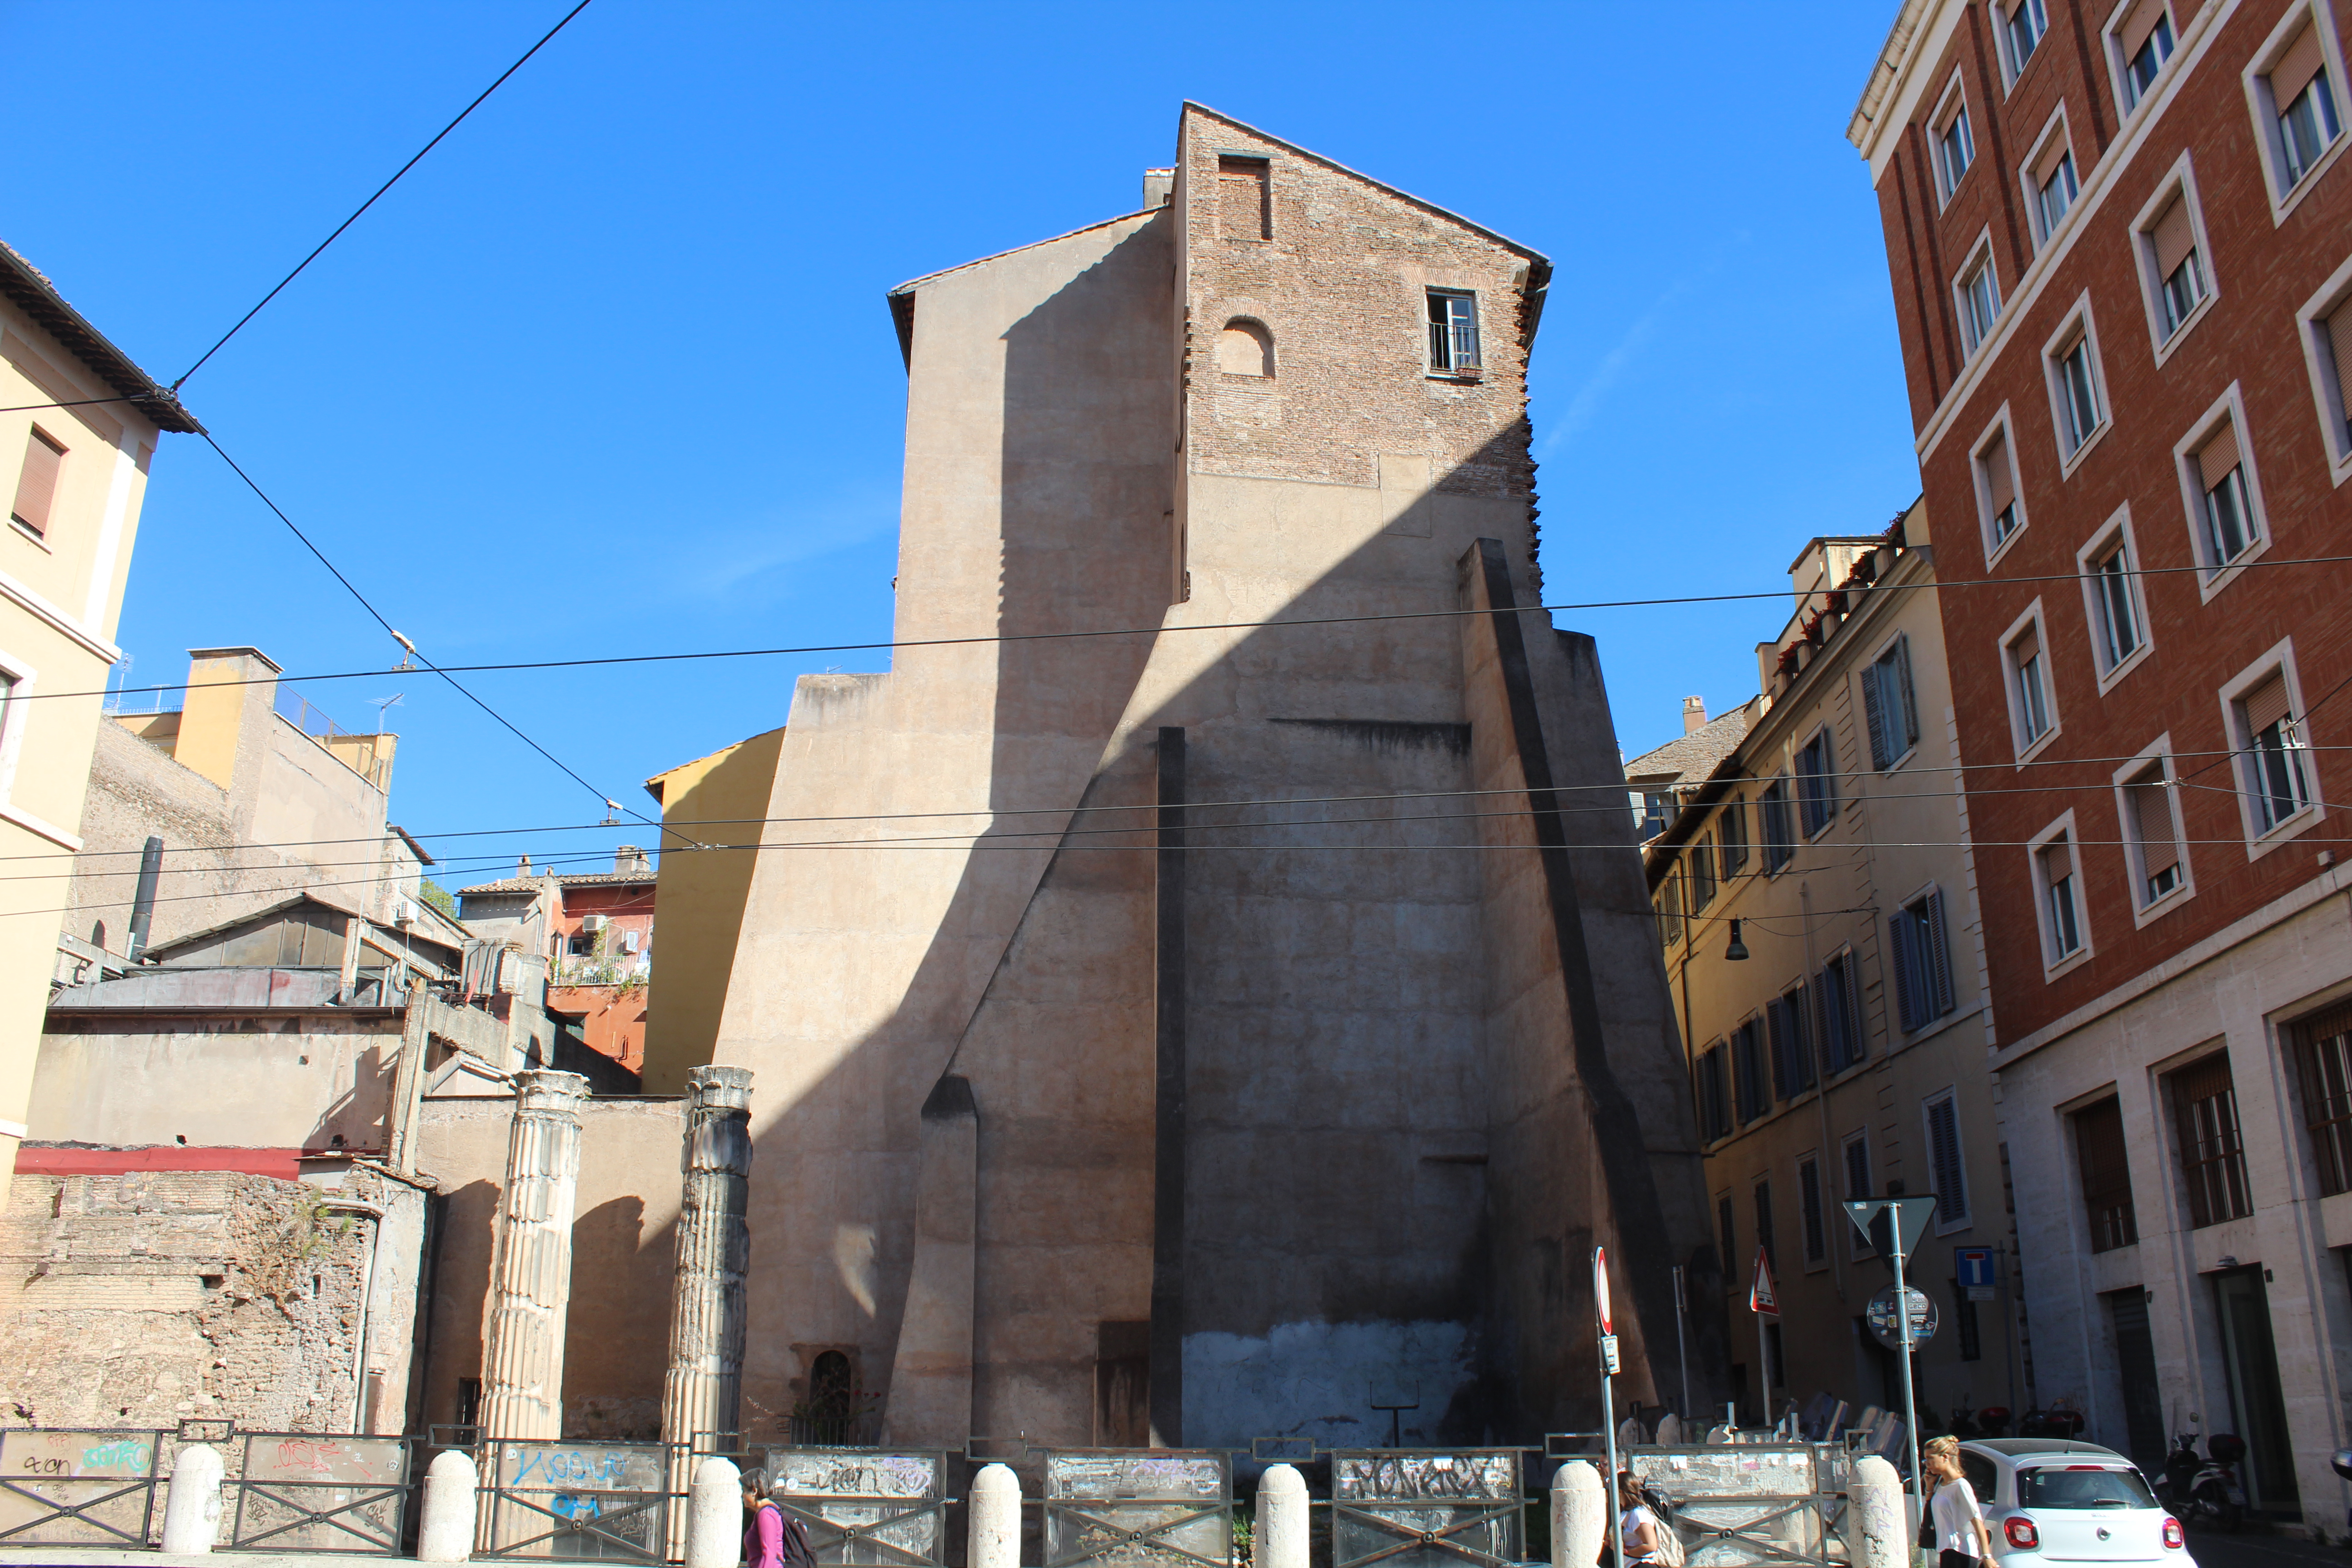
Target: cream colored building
point(1846, 1054)
point(77, 475)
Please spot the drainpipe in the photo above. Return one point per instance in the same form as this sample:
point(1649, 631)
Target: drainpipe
point(375, 1216)
point(142, 903)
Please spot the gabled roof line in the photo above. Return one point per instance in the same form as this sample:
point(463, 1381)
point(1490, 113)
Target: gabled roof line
point(1543, 261)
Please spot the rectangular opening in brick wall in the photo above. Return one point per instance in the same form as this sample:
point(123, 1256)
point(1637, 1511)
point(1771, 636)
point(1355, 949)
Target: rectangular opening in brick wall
point(1246, 206)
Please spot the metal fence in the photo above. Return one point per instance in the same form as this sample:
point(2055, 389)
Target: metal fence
point(94, 1487)
point(1759, 1504)
point(310, 1491)
point(1167, 1507)
point(876, 1508)
point(1427, 1508)
point(578, 1502)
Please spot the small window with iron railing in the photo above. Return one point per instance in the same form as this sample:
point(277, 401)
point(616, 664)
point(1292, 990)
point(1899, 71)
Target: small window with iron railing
point(2326, 1053)
point(1453, 332)
point(2212, 1155)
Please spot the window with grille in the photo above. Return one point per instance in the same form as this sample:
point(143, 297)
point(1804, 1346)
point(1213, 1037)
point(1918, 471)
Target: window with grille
point(1453, 332)
point(2029, 685)
point(1816, 784)
point(2326, 1063)
point(1855, 1152)
point(36, 481)
point(1731, 839)
point(1999, 472)
point(2305, 104)
point(1764, 1222)
point(1840, 993)
point(1714, 1105)
point(2107, 1175)
point(2062, 924)
point(2153, 836)
point(1753, 1081)
point(2143, 43)
point(1810, 1212)
point(1923, 968)
point(1793, 1043)
point(2212, 1160)
point(2274, 759)
point(1947, 1165)
point(2078, 393)
point(1890, 706)
point(2179, 271)
point(1772, 809)
point(2230, 525)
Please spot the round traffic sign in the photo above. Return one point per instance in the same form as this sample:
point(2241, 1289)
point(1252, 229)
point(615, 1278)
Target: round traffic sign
point(1601, 1286)
point(1879, 1315)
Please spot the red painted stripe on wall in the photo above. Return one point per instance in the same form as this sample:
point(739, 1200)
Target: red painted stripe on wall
point(286, 1165)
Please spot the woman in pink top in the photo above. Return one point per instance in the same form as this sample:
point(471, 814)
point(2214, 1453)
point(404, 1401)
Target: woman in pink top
point(763, 1543)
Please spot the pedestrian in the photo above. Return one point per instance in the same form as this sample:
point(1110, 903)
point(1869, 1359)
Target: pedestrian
point(763, 1543)
point(1637, 1526)
point(1954, 1526)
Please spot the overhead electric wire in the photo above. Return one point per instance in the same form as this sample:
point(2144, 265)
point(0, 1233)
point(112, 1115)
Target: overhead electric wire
point(379, 190)
point(609, 660)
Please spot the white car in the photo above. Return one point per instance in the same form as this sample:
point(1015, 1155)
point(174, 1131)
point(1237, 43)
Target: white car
point(2051, 1500)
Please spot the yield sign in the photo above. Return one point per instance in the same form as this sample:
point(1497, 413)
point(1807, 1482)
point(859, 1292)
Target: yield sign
point(1601, 1286)
point(1885, 1222)
point(1761, 1297)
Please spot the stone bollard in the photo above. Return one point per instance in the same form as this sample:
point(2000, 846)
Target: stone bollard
point(714, 1515)
point(1580, 1516)
point(1876, 1536)
point(445, 1532)
point(1281, 1539)
point(995, 1507)
point(192, 1516)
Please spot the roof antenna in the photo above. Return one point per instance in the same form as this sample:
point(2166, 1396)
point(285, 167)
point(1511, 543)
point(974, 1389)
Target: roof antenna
point(407, 659)
point(383, 707)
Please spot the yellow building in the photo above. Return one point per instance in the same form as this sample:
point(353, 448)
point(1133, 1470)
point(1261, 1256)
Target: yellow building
point(80, 429)
point(711, 809)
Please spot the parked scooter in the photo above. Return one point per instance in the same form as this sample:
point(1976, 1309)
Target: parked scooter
point(1964, 1420)
point(2341, 1462)
point(1992, 1421)
point(2058, 1421)
point(2206, 1491)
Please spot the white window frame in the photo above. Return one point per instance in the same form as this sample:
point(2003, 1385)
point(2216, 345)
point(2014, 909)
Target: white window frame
point(2327, 376)
point(2026, 748)
point(2158, 753)
point(2115, 531)
point(2055, 964)
point(2213, 577)
point(1979, 259)
point(2006, 428)
point(1863, 675)
point(2078, 321)
point(2012, 68)
point(1967, 1218)
point(1857, 1249)
point(2256, 78)
point(2279, 658)
point(2053, 129)
point(2110, 43)
point(1953, 105)
point(15, 713)
point(1453, 369)
point(2180, 180)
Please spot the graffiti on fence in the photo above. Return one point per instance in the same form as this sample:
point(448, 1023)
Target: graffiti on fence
point(63, 1488)
point(863, 1506)
point(1129, 1509)
point(1413, 1508)
point(580, 1499)
point(303, 1492)
point(817, 1472)
point(1381, 1476)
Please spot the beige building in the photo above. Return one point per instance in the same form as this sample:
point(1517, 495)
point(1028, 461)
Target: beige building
point(1845, 1055)
point(78, 475)
point(1224, 1030)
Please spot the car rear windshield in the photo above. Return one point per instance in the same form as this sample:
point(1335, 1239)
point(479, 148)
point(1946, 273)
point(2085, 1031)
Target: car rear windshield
point(2059, 1485)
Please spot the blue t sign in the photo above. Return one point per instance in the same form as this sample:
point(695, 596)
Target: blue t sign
point(1972, 1268)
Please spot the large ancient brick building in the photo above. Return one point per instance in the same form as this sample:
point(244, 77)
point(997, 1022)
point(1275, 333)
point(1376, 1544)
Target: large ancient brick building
point(2121, 244)
point(1248, 1024)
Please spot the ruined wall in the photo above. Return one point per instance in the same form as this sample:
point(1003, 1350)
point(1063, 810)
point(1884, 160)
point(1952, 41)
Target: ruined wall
point(143, 1299)
point(616, 1345)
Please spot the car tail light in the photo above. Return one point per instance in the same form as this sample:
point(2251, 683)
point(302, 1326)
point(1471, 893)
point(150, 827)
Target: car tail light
point(2021, 1532)
point(2172, 1533)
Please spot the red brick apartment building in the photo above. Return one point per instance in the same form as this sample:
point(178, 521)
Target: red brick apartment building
point(2120, 237)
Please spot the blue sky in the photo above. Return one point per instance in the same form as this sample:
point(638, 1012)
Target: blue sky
point(609, 372)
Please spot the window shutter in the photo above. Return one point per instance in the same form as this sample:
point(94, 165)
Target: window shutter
point(2202, 1079)
point(2296, 66)
point(2003, 484)
point(2266, 704)
point(1939, 959)
point(1873, 713)
point(2139, 25)
point(36, 484)
point(1951, 1184)
point(1906, 697)
point(1906, 986)
point(2174, 236)
point(2057, 860)
point(2159, 849)
point(2339, 341)
point(2217, 455)
point(2027, 646)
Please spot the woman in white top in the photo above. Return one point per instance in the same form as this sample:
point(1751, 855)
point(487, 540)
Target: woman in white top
point(1636, 1525)
point(1961, 1537)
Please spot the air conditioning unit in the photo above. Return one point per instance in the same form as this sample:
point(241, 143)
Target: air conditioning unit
point(629, 940)
point(593, 922)
point(403, 913)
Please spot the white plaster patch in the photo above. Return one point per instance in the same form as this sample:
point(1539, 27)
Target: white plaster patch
point(1319, 1380)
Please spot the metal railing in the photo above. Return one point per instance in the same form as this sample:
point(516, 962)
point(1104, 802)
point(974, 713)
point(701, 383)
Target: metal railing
point(88, 1488)
point(579, 1501)
point(358, 753)
point(311, 1491)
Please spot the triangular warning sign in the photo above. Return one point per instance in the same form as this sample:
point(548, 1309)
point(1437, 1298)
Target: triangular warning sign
point(1761, 1298)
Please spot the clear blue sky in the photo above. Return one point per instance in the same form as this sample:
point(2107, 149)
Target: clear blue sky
point(611, 372)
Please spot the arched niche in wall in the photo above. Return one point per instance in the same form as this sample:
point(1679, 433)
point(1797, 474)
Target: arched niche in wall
point(1245, 348)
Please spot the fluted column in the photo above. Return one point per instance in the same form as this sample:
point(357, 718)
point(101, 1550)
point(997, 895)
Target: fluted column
point(707, 1326)
point(522, 1358)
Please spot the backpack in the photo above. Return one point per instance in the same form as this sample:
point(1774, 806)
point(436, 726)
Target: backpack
point(1670, 1552)
point(793, 1548)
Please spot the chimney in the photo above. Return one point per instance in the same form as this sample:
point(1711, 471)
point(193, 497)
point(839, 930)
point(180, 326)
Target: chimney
point(1693, 715)
point(522, 867)
point(628, 860)
point(1157, 185)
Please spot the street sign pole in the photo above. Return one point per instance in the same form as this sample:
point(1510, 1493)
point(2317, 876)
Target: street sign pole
point(1682, 1352)
point(1906, 1220)
point(1607, 1345)
point(1910, 1396)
